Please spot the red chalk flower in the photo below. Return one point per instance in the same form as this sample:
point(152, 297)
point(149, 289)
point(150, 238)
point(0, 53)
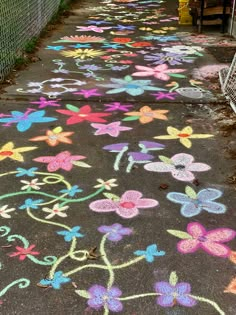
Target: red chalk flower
point(122, 40)
point(24, 252)
point(83, 114)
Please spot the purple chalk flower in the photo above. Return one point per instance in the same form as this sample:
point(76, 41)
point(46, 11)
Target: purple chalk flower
point(115, 231)
point(170, 295)
point(102, 297)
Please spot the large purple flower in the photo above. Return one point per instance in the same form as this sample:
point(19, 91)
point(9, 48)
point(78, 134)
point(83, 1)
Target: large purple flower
point(102, 297)
point(115, 231)
point(174, 294)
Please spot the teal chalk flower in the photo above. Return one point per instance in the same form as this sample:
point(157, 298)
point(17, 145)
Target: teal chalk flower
point(130, 86)
point(30, 203)
point(69, 235)
point(150, 253)
point(56, 281)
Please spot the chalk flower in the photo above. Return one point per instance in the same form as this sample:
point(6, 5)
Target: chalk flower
point(180, 166)
point(82, 53)
point(126, 207)
point(53, 137)
point(161, 72)
point(8, 151)
point(147, 115)
point(63, 160)
point(184, 135)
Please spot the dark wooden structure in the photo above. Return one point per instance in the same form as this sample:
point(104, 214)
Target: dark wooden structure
point(210, 12)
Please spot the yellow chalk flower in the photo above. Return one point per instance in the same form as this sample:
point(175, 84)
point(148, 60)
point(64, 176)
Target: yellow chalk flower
point(8, 151)
point(183, 135)
point(82, 53)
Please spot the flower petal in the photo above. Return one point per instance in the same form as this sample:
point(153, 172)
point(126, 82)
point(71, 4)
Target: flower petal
point(199, 167)
point(164, 287)
point(183, 175)
point(131, 195)
point(159, 167)
point(182, 159)
point(104, 205)
point(188, 246)
point(165, 300)
point(127, 213)
point(190, 209)
point(214, 207)
point(183, 288)
point(209, 194)
point(146, 203)
point(215, 249)
point(186, 300)
point(221, 235)
point(196, 229)
point(115, 305)
point(178, 197)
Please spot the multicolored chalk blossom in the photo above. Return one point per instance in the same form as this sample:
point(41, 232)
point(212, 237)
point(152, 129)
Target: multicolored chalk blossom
point(197, 237)
point(180, 166)
point(127, 206)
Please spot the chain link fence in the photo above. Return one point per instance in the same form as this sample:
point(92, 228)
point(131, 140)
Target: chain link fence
point(20, 21)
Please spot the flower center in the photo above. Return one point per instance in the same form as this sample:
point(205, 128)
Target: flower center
point(53, 137)
point(132, 86)
point(127, 205)
point(83, 115)
point(180, 167)
point(148, 114)
point(6, 153)
point(183, 135)
point(202, 239)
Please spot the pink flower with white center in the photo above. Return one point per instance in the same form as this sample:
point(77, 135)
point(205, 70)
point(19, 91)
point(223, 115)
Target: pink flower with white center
point(113, 129)
point(209, 241)
point(63, 160)
point(127, 206)
point(161, 72)
point(180, 166)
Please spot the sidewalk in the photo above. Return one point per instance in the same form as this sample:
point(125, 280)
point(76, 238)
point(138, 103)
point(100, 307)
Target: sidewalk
point(115, 192)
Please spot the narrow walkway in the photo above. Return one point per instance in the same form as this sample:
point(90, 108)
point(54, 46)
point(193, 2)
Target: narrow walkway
point(114, 194)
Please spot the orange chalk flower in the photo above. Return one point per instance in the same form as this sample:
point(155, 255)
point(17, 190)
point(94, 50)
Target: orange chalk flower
point(183, 135)
point(146, 114)
point(54, 137)
point(8, 151)
point(231, 288)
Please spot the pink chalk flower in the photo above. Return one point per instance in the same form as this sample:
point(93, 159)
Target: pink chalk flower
point(180, 166)
point(63, 160)
point(209, 241)
point(126, 207)
point(161, 72)
point(113, 129)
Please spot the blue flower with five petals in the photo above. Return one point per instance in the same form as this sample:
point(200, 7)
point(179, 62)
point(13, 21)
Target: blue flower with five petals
point(69, 235)
point(150, 253)
point(25, 120)
point(30, 203)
